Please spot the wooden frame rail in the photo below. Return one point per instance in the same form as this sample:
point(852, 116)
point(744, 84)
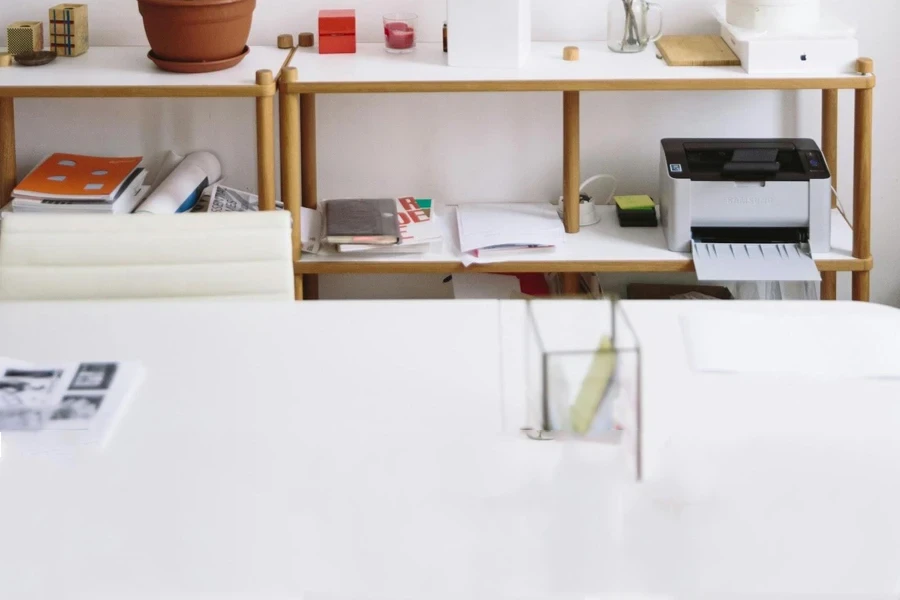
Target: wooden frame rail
point(150, 85)
point(304, 92)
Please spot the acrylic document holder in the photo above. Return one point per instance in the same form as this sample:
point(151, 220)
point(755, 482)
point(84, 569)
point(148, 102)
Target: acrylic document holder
point(583, 376)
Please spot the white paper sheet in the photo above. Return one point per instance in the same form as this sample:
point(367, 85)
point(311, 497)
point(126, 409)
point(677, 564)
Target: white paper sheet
point(746, 342)
point(753, 262)
point(490, 225)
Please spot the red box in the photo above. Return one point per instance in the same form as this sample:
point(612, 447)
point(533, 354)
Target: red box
point(337, 31)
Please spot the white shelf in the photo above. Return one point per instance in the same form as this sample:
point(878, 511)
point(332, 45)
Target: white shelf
point(126, 71)
point(372, 69)
point(604, 247)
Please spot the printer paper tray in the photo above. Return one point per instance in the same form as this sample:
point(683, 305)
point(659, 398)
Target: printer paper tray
point(754, 262)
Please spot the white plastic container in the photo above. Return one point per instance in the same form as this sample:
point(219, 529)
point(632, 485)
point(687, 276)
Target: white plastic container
point(774, 15)
point(488, 33)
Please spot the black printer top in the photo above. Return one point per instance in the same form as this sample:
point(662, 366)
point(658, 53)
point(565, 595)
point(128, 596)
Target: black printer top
point(745, 159)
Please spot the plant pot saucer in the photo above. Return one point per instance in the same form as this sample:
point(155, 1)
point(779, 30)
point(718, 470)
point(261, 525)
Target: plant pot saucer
point(204, 66)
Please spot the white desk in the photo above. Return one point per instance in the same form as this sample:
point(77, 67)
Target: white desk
point(316, 470)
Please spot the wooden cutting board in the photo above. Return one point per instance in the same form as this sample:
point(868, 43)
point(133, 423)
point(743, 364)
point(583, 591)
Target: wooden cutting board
point(697, 51)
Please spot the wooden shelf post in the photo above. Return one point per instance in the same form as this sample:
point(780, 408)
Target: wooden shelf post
point(862, 182)
point(571, 177)
point(309, 173)
point(7, 149)
point(571, 159)
point(571, 284)
point(289, 108)
point(830, 149)
point(265, 143)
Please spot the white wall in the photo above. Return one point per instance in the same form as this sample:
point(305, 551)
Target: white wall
point(480, 146)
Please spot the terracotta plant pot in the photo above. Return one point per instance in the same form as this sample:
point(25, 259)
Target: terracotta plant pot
point(197, 30)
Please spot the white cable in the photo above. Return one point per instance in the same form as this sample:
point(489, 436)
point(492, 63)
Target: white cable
point(841, 207)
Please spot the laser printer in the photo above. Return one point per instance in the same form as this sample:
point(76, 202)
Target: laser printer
point(748, 209)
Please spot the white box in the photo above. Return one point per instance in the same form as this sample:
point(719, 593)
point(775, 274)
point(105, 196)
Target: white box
point(831, 49)
point(488, 33)
point(774, 15)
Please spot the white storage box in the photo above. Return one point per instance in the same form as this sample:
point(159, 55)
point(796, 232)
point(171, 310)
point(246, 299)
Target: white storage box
point(829, 49)
point(488, 33)
point(774, 15)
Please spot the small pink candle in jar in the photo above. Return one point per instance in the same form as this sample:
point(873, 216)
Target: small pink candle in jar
point(400, 32)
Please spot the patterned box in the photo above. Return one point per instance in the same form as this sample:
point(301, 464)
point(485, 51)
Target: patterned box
point(69, 29)
point(25, 36)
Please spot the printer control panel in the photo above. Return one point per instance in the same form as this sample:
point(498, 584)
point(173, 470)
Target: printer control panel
point(815, 162)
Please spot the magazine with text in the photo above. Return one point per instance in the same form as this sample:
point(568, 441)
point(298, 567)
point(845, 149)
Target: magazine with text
point(80, 396)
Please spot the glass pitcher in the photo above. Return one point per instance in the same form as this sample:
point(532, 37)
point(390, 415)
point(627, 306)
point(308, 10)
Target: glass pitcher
point(627, 25)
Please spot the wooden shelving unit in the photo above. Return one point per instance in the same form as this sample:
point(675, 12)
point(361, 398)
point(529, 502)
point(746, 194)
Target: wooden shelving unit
point(126, 72)
point(604, 248)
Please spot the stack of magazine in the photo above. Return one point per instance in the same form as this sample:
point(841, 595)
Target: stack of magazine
point(87, 397)
point(219, 198)
point(73, 183)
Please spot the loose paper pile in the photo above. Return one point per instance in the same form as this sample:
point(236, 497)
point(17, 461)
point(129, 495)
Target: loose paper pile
point(507, 232)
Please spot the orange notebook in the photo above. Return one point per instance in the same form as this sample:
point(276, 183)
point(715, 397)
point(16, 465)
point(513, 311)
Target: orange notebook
point(62, 176)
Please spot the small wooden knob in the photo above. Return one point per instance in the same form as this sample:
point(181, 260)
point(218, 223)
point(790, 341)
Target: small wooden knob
point(264, 77)
point(307, 39)
point(571, 53)
point(285, 41)
point(866, 66)
point(5, 59)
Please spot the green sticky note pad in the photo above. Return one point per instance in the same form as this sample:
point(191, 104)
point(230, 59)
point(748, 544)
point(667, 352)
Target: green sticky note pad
point(635, 202)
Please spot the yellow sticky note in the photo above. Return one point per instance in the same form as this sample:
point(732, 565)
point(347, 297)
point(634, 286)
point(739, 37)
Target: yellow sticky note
point(635, 202)
point(593, 388)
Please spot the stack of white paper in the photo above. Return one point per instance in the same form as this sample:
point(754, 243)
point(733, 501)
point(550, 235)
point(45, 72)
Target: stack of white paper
point(754, 262)
point(506, 232)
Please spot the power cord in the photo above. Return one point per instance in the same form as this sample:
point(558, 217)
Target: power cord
point(840, 207)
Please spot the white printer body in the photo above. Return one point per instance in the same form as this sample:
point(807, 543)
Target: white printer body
point(750, 191)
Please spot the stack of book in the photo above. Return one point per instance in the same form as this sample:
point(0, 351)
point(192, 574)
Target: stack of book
point(72, 183)
point(388, 225)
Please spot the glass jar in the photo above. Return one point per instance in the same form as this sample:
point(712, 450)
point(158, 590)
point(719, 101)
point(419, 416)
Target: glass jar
point(400, 32)
point(627, 25)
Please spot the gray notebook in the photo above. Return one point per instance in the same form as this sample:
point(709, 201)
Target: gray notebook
point(362, 221)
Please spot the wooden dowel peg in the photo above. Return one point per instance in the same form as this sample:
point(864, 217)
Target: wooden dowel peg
point(865, 66)
point(285, 41)
point(571, 53)
point(306, 39)
point(5, 59)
